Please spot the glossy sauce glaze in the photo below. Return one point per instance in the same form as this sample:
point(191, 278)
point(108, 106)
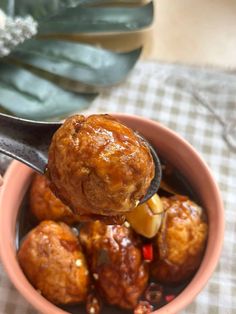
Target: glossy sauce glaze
point(98, 166)
point(115, 258)
point(156, 293)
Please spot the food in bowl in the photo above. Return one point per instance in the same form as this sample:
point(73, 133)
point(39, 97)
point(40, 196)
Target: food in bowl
point(115, 259)
point(180, 242)
point(45, 205)
point(147, 217)
point(123, 262)
point(99, 166)
point(52, 259)
point(199, 185)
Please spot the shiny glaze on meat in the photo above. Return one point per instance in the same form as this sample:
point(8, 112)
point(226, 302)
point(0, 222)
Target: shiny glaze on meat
point(180, 243)
point(45, 205)
point(115, 261)
point(99, 166)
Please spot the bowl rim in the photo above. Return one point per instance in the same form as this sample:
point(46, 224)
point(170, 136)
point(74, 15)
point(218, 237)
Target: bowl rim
point(181, 301)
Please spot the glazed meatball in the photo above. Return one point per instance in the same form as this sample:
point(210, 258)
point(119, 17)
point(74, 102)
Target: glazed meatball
point(115, 260)
point(180, 243)
point(52, 259)
point(45, 205)
point(99, 166)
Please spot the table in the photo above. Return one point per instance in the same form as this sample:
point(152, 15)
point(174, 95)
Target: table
point(200, 105)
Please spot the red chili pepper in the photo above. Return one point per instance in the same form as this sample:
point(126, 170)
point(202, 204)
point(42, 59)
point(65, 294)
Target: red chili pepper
point(148, 252)
point(169, 297)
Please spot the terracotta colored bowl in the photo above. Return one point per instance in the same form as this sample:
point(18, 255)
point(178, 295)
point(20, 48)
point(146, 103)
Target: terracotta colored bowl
point(175, 150)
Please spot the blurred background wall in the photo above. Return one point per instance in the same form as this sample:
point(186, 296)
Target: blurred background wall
point(195, 32)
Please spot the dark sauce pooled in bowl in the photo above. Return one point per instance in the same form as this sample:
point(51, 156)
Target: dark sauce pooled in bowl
point(172, 179)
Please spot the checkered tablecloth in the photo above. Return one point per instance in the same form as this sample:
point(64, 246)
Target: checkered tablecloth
point(200, 105)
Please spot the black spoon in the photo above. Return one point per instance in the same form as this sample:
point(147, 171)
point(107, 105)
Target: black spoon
point(28, 141)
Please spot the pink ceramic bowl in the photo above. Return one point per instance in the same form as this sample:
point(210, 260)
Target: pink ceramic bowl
point(175, 150)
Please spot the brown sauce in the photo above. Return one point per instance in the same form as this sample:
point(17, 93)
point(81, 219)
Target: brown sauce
point(172, 178)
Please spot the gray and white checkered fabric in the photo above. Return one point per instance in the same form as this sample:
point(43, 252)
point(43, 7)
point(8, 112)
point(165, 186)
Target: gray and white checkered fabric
point(200, 105)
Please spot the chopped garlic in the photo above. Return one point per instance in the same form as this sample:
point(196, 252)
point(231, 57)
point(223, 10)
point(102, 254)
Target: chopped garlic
point(78, 263)
point(126, 224)
point(92, 310)
point(95, 276)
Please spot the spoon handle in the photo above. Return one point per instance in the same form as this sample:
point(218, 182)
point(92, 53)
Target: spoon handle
point(27, 141)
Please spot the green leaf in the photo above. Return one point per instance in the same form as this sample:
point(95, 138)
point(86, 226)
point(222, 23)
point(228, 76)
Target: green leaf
point(75, 66)
point(5, 6)
point(88, 67)
point(44, 8)
point(98, 19)
point(28, 96)
point(41, 8)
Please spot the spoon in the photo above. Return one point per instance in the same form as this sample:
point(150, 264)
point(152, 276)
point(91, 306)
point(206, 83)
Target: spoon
point(28, 142)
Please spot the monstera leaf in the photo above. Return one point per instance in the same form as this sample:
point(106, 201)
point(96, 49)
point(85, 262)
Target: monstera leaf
point(38, 79)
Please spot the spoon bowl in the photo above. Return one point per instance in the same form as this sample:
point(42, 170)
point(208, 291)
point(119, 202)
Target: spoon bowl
point(28, 141)
point(173, 149)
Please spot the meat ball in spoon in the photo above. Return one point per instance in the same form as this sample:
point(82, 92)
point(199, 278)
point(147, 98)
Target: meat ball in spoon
point(98, 166)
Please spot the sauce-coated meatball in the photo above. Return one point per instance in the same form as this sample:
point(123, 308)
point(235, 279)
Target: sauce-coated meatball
point(45, 205)
point(180, 243)
point(52, 259)
point(115, 260)
point(99, 166)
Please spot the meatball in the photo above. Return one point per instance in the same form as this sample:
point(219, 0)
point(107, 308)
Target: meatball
point(45, 205)
point(180, 242)
point(115, 260)
point(99, 166)
point(52, 259)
